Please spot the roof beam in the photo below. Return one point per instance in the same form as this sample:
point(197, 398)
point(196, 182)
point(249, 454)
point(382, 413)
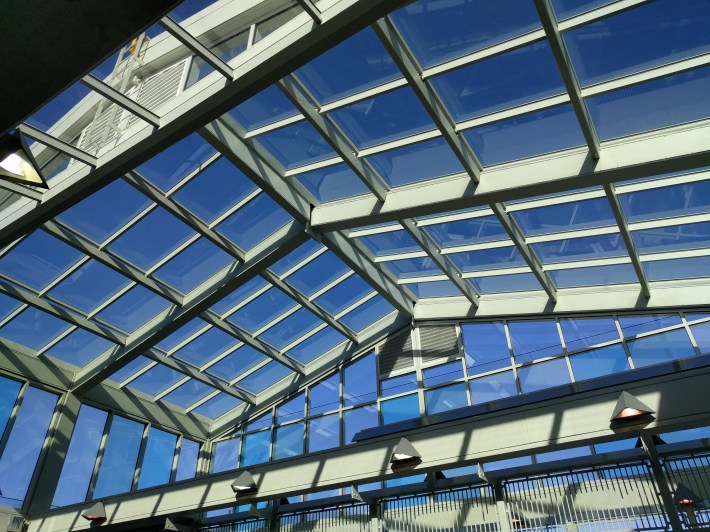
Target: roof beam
point(559, 50)
point(121, 100)
point(529, 256)
point(670, 150)
point(310, 8)
point(57, 144)
point(198, 301)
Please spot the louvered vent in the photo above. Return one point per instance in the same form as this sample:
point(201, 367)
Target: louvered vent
point(396, 354)
point(106, 123)
point(438, 343)
point(158, 89)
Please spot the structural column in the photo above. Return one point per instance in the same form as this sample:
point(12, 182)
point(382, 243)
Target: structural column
point(663, 489)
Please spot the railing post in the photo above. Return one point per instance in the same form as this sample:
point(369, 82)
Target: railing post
point(663, 488)
point(499, 494)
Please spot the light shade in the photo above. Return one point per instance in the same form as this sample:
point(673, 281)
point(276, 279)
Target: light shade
point(404, 453)
point(169, 526)
point(97, 512)
point(629, 407)
point(244, 483)
point(684, 497)
point(17, 163)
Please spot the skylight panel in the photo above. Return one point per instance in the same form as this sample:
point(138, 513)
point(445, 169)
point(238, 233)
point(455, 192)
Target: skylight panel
point(219, 405)
point(130, 369)
point(666, 202)
point(317, 345)
point(173, 164)
point(105, 211)
point(680, 268)
point(53, 162)
point(390, 243)
point(205, 347)
point(344, 294)
point(570, 216)
point(368, 313)
point(133, 309)
point(215, 190)
point(79, 348)
point(248, 289)
point(568, 8)
point(38, 260)
point(440, 31)
point(182, 334)
point(332, 183)
point(673, 238)
point(499, 284)
point(236, 363)
point(416, 162)
point(8, 305)
point(571, 249)
point(267, 107)
point(405, 268)
point(264, 377)
point(580, 333)
point(296, 145)
point(287, 330)
point(528, 135)
point(89, 286)
point(357, 64)
point(488, 259)
point(156, 379)
point(254, 222)
point(191, 267)
point(434, 289)
point(504, 81)
point(48, 115)
point(318, 273)
point(296, 257)
point(649, 35)
point(472, 231)
point(262, 310)
point(189, 393)
point(33, 328)
point(644, 107)
point(152, 239)
point(390, 116)
point(594, 276)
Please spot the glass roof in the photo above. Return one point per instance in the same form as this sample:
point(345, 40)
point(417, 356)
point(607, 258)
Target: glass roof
point(219, 230)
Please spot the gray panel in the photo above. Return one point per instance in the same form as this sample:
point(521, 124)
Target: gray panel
point(396, 354)
point(438, 342)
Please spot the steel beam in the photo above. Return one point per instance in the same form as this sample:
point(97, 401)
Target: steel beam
point(312, 10)
point(121, 100)
point(57, 144)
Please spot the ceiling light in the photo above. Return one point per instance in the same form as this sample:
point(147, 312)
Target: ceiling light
point(685, 497)
point(169, 526)
point(97, 512)
point(404, 453)
point(244, 483)
point(629, 407)
point(17, 163)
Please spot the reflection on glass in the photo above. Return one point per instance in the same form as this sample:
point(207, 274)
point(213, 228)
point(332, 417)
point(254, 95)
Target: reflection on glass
point(158, 459)
point(358, 419)
point(565, 217)
point(292, 410)
point(226, 455)
point(325, 395)
point(399, 409)
point(598, 362)
point(485, 347)
point(119, 458)
point(664, 202)
point(660, 348)
point(360, 381)
point(571, 249)
point(633, 325)
point(443, 373)
point(587, 332)
point(256, 448)
point(543, 375)
point(289, 440)
point(398, 385)
point(323, 433)
point(187, 462)
point(594, 276)
point(492, 387)
point(446, 398)
point(533, 340)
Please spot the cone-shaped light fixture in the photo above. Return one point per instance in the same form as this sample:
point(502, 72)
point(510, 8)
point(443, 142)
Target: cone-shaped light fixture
point(244, 483)
point(629, 407)
point(169, 526)
point(17, 163)
point(404, 453)
point(96, 513)
point(685, 497)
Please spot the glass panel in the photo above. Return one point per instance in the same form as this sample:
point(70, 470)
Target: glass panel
point(610, 447)
point(323, 433)
point(660, 348)
point(492, 387)
point(9, 389)
point(262, 310)
point(543, 375)
point(119, 458)
point(656, 203)
point(360, 381)
point(290, 329)
point(219, 405)
point(701, 333)
point(296, 145)
point(399, 409)
point(79, 348)
point(325, 395)
point(188, 393)
point(438, 32)
point(253, 223)
point(434, 289)
point(289, 440)
point(643, 107)
point(193, 266)
point(397, 385)
point(292, 410)
point(81, 456)
point(485, 347)
point(23, 446)
point(488, 259)
point(262, 378)
point(345, 294)
point(416, 162)
point(526, 135)
point(48, 115)
point(133, 309)
point(332, 183)
point(413, 267)
point(274, 22)
point(357, 64)
point(443, 373)
point(571, 249)
point(293, 259)
point(564, 454)
point(33, 328)
point(565, 217)
point(367, 314)
point(521, 76)
point(446, 398)
point(261, 422)
point(472, 231)
point(389, 116)
point(534, 339)
point(156, 379)
point(633, 325)
point(89, 286)
point(206, 346)
point(598, 362)
point(497, 284)
point(318, 273)
point(390, 243)
point(256, 448)
point(233, 365)
point(226, 455)
point(666, 270)
point(187, 463)
point(650, 35)
point(358, 419)
point(316, 345)
point(267, 107)
point(130, 369)
point(569, 8)
point(594, 276)
point(587, 332)
point(673, 238)
point(182, 334)
point(158, 459)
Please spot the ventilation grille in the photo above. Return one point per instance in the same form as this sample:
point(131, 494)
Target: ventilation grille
point(396, 354)
point(105, 123)
point(438, 343)
point(158, 89)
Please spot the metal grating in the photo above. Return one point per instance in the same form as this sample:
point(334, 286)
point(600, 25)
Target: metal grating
point(247, 525)
point(352, 518)
point(438, 343)
point(396, 354)
point(691, 472)
point(158, 89)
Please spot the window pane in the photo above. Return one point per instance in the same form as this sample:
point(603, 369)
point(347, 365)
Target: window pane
point(292, 410)
point(325, 395)
point(187, 462)
point(398, 385)
point(599, 362)
point(226, 455)
point(701, 333)
point(261, 422)
point(660, 348)
point(81, 456)
point(9, 389)
point(23, 447)
point(485, 346)
point(256, 448)
point(119, 460)
point(158, 459)
point(399, 409)
point(323, 433)
point(358, 419)
point(289, 440)
point(446, 398)
point(360, 381)
point(543, 375)
point(443, 373)
point(633, 325)
point(587, 332)
point(534, 339)
point(492, 387)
